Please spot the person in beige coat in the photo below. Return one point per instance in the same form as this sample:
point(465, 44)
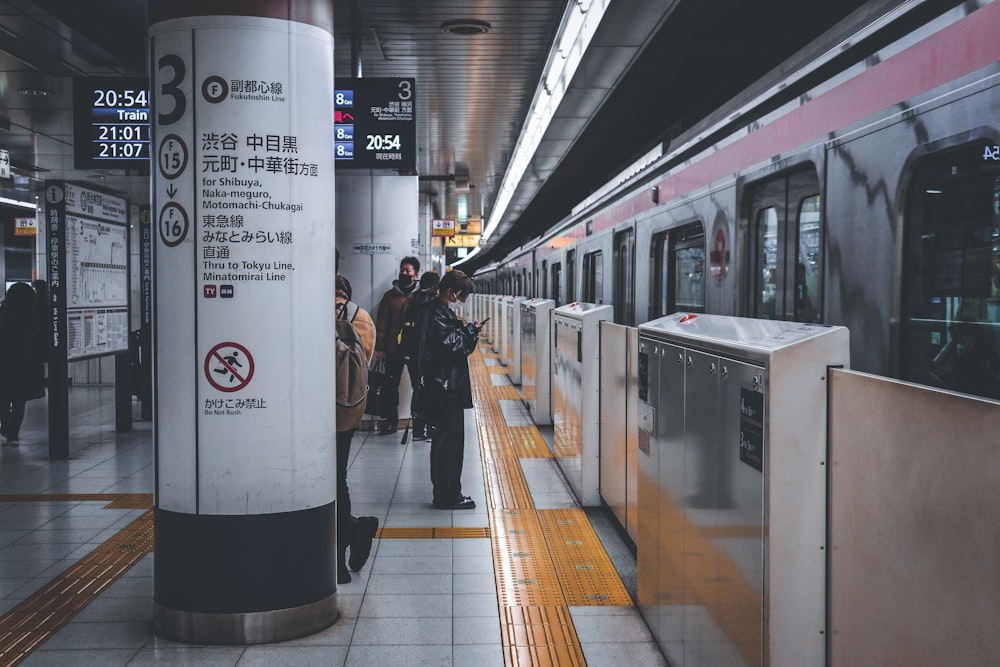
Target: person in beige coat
point(354, 532)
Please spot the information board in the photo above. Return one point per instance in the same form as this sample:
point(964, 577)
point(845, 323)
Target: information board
point(91, 272)
point(375, 124)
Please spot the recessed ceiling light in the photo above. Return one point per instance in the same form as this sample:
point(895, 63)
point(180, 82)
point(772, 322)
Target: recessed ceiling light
point(466, 27)
point(35, 92)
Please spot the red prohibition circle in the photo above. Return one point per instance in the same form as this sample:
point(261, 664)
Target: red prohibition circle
point(231, 368)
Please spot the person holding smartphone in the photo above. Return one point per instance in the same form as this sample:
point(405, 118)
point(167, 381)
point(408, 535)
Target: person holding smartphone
point(446, 343)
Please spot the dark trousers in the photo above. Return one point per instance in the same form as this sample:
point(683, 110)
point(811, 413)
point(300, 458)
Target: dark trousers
point(11, 416)
point(347, 525)
point(394, 369)
point(447, 455)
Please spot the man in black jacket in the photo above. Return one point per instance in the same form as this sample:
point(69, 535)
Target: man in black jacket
point(446, 344)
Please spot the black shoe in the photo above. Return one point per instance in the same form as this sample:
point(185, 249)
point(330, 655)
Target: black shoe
point(419, 435)
point(343, 576)
point(389, 429)
point(368, 526)
point(463, 503)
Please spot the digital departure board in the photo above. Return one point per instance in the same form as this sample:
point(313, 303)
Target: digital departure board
point(375, 124)
point(110, 122)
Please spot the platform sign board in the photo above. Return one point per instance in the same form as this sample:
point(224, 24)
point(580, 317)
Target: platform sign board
point(87, 249)
point(375, 124)
point(442, 227)
point(243, 267)
point(110, 122)
point(89, 268)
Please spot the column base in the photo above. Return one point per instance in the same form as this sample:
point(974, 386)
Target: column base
point(259, 627)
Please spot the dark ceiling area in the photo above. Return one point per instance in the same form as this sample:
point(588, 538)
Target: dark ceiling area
point(705, 54)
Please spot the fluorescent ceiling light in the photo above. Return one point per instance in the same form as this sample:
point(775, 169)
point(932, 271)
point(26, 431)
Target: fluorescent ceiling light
point(578, 26)
point(22, 204)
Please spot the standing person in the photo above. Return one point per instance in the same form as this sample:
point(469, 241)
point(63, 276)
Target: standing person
point(21, 369)
point(388, 323)
point(424, 296)
point(354, 532)
point(447, 343)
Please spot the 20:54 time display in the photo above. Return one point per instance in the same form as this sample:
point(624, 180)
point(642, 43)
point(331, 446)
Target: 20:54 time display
point(383, 142)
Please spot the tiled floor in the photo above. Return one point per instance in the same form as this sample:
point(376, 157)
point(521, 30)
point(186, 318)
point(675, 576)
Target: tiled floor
point(416, 602)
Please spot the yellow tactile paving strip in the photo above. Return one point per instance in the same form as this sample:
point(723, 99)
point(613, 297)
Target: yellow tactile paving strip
point(33, 621)
point(544, 560)
point(582, 564)
point(540, 636)
point(431, 533)
point(528, 442)
point(116, 501)
point(506, 392)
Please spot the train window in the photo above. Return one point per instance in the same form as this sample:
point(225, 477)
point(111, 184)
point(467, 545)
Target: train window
point(556, 282)
point(809, 261)
point(593, 277)
point(679, 271)
point(786, 248)
point(570, 276)
point(767, 262)
point(624, 262)
point(950, 320)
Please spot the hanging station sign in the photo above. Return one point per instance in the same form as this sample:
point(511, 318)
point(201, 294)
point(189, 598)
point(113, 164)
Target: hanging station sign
point(375, 124)
point(110, 122)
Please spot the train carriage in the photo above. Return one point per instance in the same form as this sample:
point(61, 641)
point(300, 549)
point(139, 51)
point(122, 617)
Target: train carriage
point(860, 189)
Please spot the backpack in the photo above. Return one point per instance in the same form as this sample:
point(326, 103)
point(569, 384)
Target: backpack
point(412, 331)
point(352, 370)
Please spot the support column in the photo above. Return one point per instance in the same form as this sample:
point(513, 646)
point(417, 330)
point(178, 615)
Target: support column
point(243, 292)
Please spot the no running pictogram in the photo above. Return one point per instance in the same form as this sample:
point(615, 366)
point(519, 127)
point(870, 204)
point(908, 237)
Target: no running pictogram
point(229, 367)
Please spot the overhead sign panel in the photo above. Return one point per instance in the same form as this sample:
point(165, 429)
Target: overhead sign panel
point(375, 124)
point(110, 122)
point(442, 227)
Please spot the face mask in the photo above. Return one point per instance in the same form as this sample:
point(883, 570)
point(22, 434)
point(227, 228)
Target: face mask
point(405, 280)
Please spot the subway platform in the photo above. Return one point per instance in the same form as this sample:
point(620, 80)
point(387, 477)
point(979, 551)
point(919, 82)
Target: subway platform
point(526, 578)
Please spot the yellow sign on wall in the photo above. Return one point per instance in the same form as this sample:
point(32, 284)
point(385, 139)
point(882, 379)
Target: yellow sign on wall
point(463, 241)
point(25, 227)
point(442, 227)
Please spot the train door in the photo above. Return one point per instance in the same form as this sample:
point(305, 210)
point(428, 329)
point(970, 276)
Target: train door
point(570, 276)
point(624, 288)
point(678, 271)
point(786, 259)
point(593, 277)
point(950, 306)
point(556, 283)
point(544, 283)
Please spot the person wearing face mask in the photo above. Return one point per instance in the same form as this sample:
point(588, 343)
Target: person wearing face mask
point(388, 322)
point(447, 342)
